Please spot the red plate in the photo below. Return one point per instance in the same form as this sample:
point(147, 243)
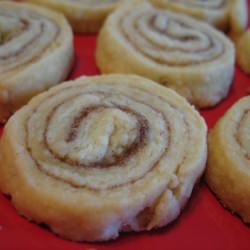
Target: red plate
point(204, 224)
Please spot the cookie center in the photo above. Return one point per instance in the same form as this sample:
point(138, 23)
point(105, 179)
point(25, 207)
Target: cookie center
point(105, 133)
point(98, 135)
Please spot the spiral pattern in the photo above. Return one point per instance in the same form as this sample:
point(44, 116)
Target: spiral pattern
point(33, 41)
point(170, 39)
point(25, 36)
point(97, 134)
point(111, 145)
point(237, 130)
point(229, 159)
point(173, 49)
point(216, 12)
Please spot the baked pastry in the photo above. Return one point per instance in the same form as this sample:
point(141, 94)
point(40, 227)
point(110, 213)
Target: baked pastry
point(175, 50)
point(36, 52)
point(238, 17)
point(223, 14)
point(85, 16)
point(101, 155)
point(228, 173)
point(243, 51)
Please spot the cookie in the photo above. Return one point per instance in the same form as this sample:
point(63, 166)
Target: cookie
point(238, 17)
point(36, 52)
point(85, 16)
point(175, 50)
point(102, 155)
point(228, 173)
point(223, 14)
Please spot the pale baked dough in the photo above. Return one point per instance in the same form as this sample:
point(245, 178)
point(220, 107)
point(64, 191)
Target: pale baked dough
point(238, 17)
point(36, 52)
point(227, 15)
point(102, 155)
point(175, 50)
point(85, 16)
point(243, 51)
point(228, 171)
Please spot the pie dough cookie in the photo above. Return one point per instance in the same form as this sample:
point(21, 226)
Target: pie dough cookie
point(36, 52)
point(243, 51)
point(223, 14)
point(175, 50)
point(85, 16)
point(228, 173)
point(102, 155)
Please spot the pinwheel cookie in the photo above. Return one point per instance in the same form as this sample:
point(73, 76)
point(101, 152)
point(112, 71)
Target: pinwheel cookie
point(228, 173)
point(175, 50)
point(36, 53)
point(224, 14)
point(102, 155)
point(85, 16)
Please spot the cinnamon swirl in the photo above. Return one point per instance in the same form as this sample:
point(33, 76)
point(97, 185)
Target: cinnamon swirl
point(102, 155)
point(175, 50)
point(228, 172)
point(223, 14)
point(36, 53)
point(85, 16)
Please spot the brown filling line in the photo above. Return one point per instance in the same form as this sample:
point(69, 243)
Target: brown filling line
point(37, 164)
point(157, 47)
point(32, 41)
point(25, 46)
point(8, 36)
point(139, 142)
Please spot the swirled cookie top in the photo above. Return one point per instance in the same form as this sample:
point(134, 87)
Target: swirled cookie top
point(89, 132)
point(25, 34)
point(168, 38)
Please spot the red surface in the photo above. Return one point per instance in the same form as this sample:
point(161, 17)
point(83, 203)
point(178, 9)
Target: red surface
point(204, 224)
